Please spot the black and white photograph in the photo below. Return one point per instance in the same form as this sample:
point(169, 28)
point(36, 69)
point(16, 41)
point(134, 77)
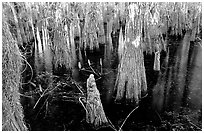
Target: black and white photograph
point(101, 66)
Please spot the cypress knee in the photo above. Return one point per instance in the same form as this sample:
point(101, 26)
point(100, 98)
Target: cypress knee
point(95, 114)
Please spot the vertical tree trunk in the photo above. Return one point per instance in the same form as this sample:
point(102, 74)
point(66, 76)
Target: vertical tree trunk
point(19, 38)
point(121, 44)
point(157, 61)
point(75, 72)
point(39, 57)
point(131, 78)
point(47, 50)
point(108, 46)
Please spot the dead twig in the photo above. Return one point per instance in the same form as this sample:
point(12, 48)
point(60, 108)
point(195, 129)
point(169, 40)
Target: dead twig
point(31, 69)
point(86, 70)
point(43, 94)
point(128, 117)
point(46, 108)
point(144, 96)
point(158, 115)
point(195, 125)
point(92, 68)
point(39, 99)
point(111, 124)
point(192, 123)
point(98, 79)
point(42, 107)
point(101, 66)
point(107, 73)
point(25, 95)
point(82, 104)
point(78, 87)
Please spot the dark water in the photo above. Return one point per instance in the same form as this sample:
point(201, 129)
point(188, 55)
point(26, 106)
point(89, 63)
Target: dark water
point(182, 77)
point(177, 84)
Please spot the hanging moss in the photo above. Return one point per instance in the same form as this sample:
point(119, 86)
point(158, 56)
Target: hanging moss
point(12, 111)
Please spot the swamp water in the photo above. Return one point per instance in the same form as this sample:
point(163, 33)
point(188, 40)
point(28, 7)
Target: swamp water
point(177, 84)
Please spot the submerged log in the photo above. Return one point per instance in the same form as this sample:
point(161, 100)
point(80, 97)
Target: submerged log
point(95, 114)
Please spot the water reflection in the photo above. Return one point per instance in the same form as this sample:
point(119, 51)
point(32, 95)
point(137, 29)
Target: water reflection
point(180, 84)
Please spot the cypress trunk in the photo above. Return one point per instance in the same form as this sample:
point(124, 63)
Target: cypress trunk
point(39, 57)
point(131, 78)
point(75, 72)
point(121, 44)
point(157, 61)
point(108, 46)
point(47, 50)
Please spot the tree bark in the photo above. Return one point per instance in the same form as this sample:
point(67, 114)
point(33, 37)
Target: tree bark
point(95, 114)
point(157, 61)
point(131, 78)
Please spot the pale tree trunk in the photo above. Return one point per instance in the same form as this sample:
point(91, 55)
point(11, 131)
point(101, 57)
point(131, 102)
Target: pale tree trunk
point(47, 49)
point(121, 44)
point(75, 72)
point(108, 46)
point(160, 91)
point(131, 79)
point(39, 61)
point(157, 61)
